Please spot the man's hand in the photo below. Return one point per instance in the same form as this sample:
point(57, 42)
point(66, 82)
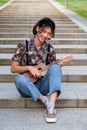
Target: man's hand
point(60, 62)
point(34, 71)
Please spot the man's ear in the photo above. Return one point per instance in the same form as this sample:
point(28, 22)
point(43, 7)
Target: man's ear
point(37, 28)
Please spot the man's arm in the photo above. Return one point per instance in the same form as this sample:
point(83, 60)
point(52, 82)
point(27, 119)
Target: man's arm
point(16, 68)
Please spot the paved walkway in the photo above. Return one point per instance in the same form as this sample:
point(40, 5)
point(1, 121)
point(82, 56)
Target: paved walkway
point(30, 119)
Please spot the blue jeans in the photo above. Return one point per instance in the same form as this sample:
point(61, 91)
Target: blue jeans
point(46, 86)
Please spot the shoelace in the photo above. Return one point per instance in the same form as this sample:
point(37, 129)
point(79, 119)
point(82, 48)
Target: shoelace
point(51, 110)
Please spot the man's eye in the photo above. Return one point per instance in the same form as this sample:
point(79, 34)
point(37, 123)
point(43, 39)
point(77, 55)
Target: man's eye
point(49, 34)
point(44, 31)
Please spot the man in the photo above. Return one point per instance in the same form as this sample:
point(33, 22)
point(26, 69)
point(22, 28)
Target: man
point(46, 87)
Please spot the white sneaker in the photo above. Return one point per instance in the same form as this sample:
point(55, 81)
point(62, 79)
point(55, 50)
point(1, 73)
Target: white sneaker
point(51, 116)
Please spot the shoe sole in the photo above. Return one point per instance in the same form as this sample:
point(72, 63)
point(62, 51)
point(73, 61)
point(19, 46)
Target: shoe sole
point(51, 120)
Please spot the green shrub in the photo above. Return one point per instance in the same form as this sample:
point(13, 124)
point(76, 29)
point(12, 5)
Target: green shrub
point(78, 6)
point(2, 2)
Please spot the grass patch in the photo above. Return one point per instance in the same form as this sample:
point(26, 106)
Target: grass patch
point(2, 2)
point(78, 6)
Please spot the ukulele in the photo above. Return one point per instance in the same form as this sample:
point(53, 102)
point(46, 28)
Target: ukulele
point(44, 68)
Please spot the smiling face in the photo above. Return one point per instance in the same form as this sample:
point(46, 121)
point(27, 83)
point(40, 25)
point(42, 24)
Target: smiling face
point(43, 34)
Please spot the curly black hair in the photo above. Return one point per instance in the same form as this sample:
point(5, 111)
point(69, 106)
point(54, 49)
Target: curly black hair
point(45, 22)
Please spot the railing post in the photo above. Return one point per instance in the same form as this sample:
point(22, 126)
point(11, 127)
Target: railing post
point(66, 4)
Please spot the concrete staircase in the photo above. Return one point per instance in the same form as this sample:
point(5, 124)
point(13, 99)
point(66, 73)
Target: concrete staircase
point(16, 22)
point(17, 113)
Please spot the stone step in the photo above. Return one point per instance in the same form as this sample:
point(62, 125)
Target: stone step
point(30, 119)
point(79, 59)
point(33, 19)
point(29, 30)
point(31, 26)
point(27, 35)
point(27, 15)
point(71, 35)
point(18, 18)
point(74, 95)
point(71, 49)
point(70, 74)
point(29, 12)
point(27, 21)
point(54, 41)
point(68, 41)
point(7, 48)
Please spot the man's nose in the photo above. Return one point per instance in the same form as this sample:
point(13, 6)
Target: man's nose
point(45, 34)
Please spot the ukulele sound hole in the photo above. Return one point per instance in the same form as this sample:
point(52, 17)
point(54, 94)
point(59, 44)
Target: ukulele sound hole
point(39, 68)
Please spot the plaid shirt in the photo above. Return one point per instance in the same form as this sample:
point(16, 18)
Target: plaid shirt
point(35, 55)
